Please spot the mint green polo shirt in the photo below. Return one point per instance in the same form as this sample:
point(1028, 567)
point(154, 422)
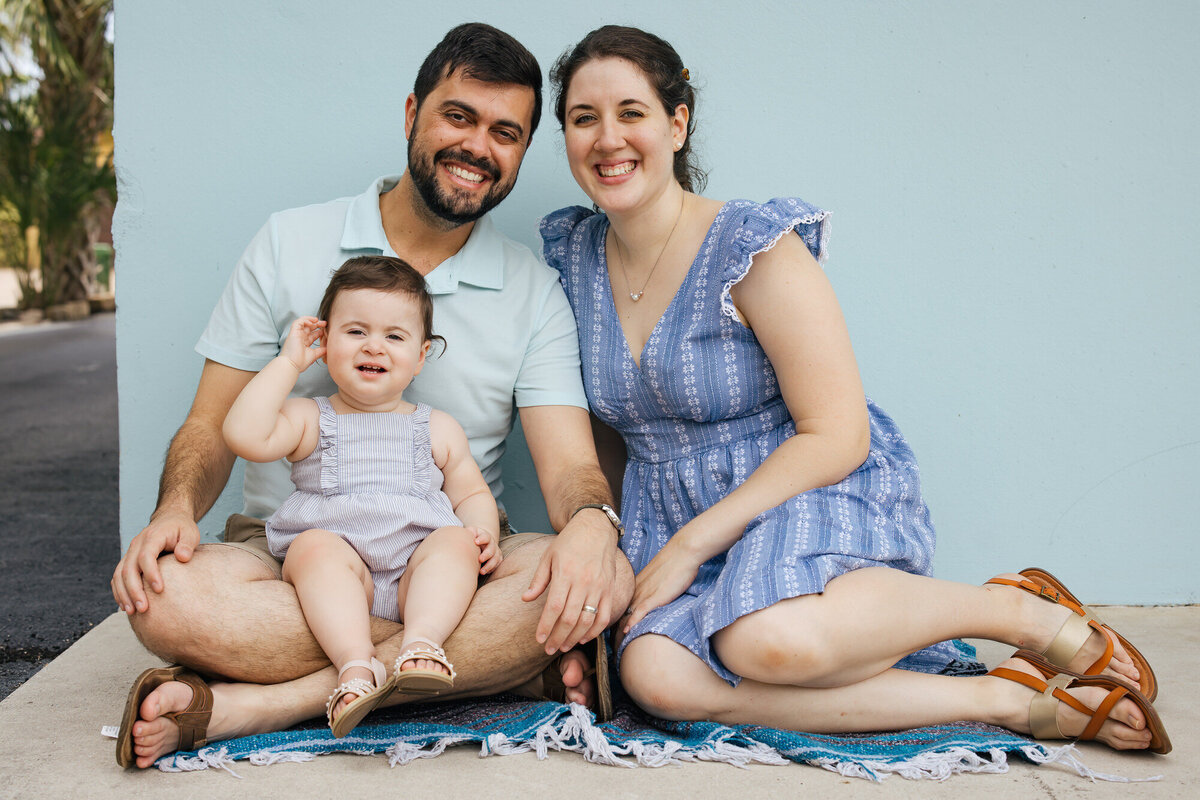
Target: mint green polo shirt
point(510, 335)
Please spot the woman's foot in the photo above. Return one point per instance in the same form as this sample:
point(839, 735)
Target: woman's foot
point(1124, 729)
point(1043, 620)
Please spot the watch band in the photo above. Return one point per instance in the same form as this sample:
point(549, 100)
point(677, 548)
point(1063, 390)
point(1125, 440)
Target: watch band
point(608, 512)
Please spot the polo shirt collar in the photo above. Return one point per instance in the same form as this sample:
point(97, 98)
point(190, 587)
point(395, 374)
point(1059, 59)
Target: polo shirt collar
point(479, 262)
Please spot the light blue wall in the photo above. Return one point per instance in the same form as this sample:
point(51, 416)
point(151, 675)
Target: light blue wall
point(1015, 198)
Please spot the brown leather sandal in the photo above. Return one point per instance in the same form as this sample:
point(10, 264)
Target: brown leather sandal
point(554, 689)
point(1078, 627)
point(192, 721)
point(1043, 708)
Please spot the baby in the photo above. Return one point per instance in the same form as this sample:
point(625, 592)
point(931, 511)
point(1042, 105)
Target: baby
point(391, 515)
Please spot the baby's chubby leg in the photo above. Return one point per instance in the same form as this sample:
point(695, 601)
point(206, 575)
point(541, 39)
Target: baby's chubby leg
point(436, 588)
point(335, 591)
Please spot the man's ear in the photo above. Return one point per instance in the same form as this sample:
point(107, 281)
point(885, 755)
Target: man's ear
point(410, 115)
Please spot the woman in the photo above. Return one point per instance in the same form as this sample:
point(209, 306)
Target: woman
point(773, 514)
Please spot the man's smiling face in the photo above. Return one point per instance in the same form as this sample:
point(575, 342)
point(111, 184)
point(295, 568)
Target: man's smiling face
point(465, 145)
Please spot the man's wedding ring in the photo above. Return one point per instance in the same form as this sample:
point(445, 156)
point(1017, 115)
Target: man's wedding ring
point(590, 609)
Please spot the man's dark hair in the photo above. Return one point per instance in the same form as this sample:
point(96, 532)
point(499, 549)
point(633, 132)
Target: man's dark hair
point(385, 274)
point(486, 54)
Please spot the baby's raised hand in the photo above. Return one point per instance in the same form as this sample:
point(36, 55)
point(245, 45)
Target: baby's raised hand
point(298, 347)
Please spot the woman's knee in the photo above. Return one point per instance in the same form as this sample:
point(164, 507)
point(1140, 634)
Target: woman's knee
point(773, 646)
point(670, 682)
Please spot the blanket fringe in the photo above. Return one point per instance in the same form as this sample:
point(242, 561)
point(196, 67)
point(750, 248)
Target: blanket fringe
point(205, 758)
point(958, 760)
point(1039, 754)
point(402, 753)
point(575, 730)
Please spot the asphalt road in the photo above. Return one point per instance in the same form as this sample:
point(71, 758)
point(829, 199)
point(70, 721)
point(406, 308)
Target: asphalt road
point(58, 489)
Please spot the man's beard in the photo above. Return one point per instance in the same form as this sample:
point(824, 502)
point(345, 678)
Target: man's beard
point(448, 205)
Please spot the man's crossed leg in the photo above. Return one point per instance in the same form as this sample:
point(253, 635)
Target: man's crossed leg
point(227, 614)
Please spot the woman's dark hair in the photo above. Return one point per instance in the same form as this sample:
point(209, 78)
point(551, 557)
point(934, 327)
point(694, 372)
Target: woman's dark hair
point(662, 67)
point(385, 274)
point(486, 54)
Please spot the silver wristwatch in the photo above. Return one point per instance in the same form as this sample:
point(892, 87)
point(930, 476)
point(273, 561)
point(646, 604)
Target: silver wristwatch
point(608, 512)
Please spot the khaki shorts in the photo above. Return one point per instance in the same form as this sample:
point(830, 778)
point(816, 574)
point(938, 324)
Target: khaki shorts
point(250, 534)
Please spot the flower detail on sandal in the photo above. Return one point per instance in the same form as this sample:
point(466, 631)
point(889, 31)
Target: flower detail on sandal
point(370, 696)
point(422, 681)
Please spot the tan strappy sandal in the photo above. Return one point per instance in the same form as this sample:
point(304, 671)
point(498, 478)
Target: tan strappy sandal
point(370, 695)
point(192, 721)
point(1043, 708)
point(1075, 631)
point(422, 681)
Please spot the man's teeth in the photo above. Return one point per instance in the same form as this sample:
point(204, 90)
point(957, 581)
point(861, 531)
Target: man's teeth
point(473, 177)
point(619, 169)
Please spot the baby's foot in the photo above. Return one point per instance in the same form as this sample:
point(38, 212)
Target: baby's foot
point(345, 676)
point(424, 664)
point(1125, 728)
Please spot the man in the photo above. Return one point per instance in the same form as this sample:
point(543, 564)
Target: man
point(222, 609)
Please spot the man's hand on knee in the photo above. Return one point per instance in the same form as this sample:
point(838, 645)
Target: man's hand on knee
point(168, 532)
point(577, 575)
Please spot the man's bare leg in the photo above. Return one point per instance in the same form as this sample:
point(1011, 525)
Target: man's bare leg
point(493, 648)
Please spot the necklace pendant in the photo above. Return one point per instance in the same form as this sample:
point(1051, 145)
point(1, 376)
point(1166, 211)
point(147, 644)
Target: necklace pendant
point(635, 296)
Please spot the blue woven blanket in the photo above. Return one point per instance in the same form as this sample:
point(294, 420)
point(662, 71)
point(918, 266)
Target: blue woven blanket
point(505, 724)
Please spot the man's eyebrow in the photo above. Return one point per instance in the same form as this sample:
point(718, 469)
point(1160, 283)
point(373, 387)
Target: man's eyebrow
point(467, 107)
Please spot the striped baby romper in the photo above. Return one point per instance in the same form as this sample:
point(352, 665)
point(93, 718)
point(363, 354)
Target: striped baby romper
point(372, 481)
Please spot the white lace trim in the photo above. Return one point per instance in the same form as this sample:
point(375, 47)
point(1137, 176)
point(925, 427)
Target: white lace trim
point(727, 307)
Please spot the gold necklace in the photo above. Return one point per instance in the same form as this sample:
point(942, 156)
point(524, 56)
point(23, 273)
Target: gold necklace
point(635, 296)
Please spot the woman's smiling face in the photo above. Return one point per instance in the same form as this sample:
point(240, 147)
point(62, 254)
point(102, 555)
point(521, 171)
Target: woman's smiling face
point(620, 142)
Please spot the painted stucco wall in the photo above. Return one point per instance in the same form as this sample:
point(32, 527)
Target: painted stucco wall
point(1014, 230)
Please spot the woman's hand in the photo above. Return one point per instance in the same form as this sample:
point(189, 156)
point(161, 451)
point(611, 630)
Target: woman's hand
point(298, 347)
point(667, 576)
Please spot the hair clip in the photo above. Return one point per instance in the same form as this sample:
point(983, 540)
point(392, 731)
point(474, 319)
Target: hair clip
point(687, 76)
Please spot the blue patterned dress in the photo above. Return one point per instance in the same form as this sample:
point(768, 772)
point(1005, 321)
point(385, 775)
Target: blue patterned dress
point(704, 409)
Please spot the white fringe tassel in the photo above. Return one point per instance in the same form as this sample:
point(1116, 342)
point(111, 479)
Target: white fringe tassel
point(578, 733)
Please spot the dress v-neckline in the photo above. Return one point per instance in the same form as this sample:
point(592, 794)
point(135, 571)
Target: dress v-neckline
point(687, 278)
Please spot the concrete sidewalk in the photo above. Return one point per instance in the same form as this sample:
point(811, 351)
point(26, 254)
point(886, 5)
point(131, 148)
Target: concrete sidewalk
point(50, 746)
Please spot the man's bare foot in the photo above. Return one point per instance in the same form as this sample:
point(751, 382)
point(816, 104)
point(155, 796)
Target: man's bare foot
point(1044, 621)
point(580, 688)
point(1125, 728)
point(155, 735)
point(572, 666)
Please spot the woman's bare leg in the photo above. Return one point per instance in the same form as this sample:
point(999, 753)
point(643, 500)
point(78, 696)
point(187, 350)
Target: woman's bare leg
point(669, 681)
point(867, 620)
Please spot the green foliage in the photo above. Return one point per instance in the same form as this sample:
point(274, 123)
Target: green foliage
point(54, 175)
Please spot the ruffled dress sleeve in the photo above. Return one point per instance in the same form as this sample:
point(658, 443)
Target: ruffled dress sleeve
point(556, 229)
point(754, 228)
